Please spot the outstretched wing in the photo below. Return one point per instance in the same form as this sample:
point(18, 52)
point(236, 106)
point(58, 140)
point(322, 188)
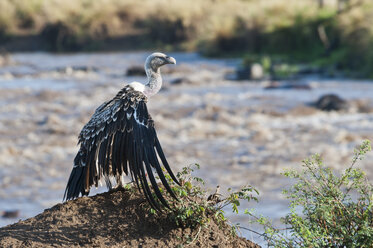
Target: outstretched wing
point(120, 138)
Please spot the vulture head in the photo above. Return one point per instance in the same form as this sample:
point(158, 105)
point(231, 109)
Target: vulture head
point(156, 60)
point(152, 65)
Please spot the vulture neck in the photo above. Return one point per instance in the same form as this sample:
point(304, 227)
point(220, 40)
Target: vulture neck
point(154, 81)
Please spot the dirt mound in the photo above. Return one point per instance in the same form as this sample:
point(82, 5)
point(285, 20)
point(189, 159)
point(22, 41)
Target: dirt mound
point(112, 219)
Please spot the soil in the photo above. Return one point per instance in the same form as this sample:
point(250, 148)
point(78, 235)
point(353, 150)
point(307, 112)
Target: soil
point(112, 219)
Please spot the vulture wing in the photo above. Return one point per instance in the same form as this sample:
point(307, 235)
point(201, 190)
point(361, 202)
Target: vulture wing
point(120, 138)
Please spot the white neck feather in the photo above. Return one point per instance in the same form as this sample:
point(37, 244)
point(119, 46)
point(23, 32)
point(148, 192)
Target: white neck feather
point(154, 83)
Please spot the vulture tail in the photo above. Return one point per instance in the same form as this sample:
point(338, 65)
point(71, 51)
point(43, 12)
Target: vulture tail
point(75, 185)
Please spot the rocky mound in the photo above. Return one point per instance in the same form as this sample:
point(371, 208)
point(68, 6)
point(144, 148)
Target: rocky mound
point(112, 219)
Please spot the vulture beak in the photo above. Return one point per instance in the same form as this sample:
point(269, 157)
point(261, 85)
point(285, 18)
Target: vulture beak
point(171, 60)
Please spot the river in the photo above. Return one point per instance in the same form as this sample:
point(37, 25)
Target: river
point(237, 131)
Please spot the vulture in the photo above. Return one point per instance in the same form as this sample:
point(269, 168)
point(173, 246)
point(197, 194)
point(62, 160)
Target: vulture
point(120, 138)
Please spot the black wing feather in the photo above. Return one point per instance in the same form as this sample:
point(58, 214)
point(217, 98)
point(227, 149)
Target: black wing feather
point(120, 138)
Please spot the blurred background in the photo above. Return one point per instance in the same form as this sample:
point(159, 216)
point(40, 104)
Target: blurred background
point(259, 86)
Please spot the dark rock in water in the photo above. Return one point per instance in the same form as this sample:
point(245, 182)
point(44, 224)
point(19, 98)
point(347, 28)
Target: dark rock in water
point(136, 71)
point(182, 80)
point(254, 72)
point(331, 102)
point(239, 74)
point(10, 214)
point(287, 86)
point(70, 69)
point(84, 68)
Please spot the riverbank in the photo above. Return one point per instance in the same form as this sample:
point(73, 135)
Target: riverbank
point(112, 219)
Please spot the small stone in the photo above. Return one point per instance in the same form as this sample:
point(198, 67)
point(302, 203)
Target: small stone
point(275, 85)
point(182, 80)
point(136, 71)
point(331, 102)
point(10, 214)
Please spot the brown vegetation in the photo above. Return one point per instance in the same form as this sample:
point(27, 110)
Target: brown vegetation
point(327, 33)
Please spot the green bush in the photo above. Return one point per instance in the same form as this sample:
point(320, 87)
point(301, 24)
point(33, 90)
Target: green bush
point(195, 209)
point(327, 209)
point(336, 210)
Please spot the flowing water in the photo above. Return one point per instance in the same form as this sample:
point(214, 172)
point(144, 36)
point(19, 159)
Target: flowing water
point(238, 132)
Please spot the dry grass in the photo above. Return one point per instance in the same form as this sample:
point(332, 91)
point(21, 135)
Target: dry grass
point(206, 18)
point(212, 26)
